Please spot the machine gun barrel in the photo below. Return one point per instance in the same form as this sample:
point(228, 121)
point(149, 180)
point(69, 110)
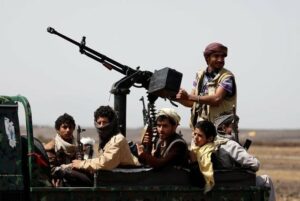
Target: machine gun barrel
point(163, 83)
point(106, 61)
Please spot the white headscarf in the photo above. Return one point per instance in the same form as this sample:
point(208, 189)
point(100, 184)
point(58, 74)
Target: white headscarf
point(61, 144)
point(171, 113)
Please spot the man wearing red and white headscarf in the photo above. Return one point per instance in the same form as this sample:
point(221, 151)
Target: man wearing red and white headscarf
point(214, 89)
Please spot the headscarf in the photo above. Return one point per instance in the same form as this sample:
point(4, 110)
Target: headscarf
point(169, 112)
point(107, 131)
point(64, 146)
point(205, 164)
point(87, 140)
point(222, 119)
point(88, 143)
point(213, 48)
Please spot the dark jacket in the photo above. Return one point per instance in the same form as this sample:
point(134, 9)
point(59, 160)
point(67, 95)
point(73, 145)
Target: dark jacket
point(172, 152)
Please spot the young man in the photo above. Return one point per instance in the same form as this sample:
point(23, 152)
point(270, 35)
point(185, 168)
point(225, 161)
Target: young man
point(214, 89)
point(203, 137)
point(113, 147)
point(61, 151)
point(171, 149)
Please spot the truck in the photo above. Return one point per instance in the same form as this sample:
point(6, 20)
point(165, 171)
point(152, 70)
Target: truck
point(25, 170)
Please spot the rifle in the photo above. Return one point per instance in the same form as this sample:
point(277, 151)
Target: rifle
point(145, 112)
point(235, 129)
point(235, 124)
point(162, 83)
point(150, 126)
point(80, 152)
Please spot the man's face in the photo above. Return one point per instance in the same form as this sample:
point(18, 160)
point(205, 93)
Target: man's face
point(66, 131)
point(165, 129)
point(199, 137)
point(102, 121)
point(229, 129)
point(216, 60)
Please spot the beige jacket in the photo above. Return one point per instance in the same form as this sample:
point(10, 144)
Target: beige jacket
point(207, 112)
point(116, 152)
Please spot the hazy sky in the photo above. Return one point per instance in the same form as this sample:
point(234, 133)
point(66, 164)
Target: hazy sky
point(262, 37)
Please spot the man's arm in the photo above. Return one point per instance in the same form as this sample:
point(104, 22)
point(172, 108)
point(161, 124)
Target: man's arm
point(182, 98)
point(188, 99)
point(108, 160)
point(241, 156)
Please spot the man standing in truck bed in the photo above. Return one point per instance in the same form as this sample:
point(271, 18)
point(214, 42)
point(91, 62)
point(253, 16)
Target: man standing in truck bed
point(214, 89)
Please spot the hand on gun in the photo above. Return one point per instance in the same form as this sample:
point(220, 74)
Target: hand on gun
point(140, 149)
point(182, 94)
point(76, 164)
point(146, 144)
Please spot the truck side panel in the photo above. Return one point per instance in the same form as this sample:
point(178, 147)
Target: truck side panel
point(11, 177)
point(10, 149)
point(153, 193)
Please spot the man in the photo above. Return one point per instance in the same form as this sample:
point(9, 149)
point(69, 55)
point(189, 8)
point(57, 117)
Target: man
point(61, 151)
point(88, 147)
point(225, 127)
point(214, 89)
point(171, 149)
point(114, 150)
point(231, 154)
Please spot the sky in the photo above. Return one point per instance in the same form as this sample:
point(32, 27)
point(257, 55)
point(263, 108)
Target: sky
point(262, 38)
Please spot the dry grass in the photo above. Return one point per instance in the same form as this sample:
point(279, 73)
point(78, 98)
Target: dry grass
point(283, 165)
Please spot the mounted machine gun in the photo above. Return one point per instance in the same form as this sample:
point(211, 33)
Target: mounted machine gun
point(163, 83)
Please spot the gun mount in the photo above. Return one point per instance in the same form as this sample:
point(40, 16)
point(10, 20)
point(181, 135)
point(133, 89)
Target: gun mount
point(163, 83)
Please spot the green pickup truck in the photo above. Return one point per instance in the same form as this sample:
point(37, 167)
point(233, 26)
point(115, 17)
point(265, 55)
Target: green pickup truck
point(25, 174)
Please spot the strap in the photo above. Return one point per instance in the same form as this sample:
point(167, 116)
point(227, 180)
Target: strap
point(171, 144)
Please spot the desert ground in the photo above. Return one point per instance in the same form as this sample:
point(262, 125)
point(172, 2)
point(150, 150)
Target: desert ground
point(282, 163)
point(277, 150)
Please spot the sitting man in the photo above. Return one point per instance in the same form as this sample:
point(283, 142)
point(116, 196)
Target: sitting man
point(61, 151)
point(224, 125)
point(227, 154)
point(171, 148)
point(232, 154)
point(114, 150)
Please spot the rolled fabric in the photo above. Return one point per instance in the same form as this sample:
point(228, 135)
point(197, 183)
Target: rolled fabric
point(213, 48)
point(169, 112)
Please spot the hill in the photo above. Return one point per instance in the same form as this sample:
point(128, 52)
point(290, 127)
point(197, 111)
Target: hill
point(258, 136)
